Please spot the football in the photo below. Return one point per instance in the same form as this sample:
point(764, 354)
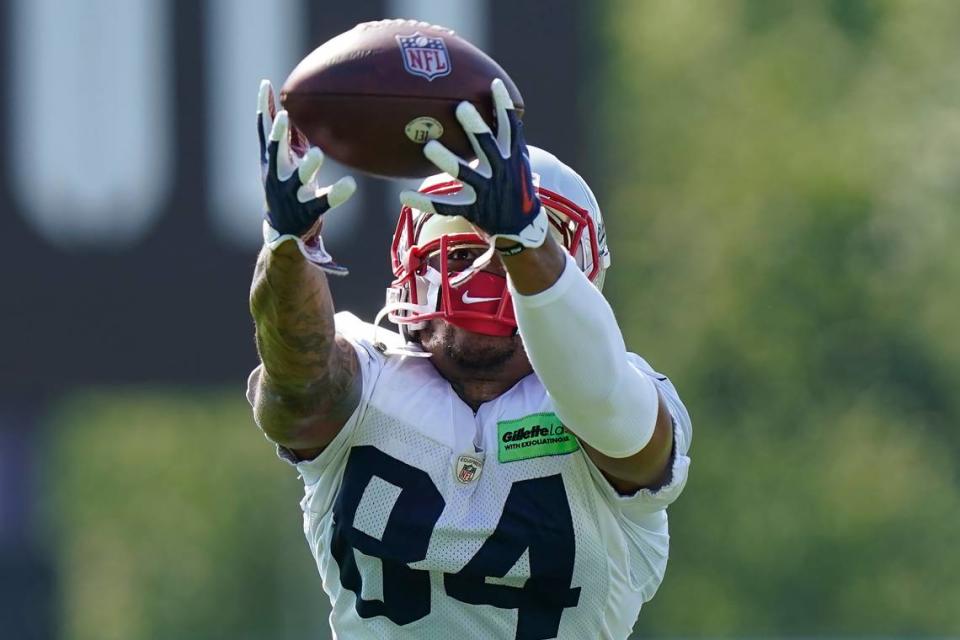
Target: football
point(371, 97)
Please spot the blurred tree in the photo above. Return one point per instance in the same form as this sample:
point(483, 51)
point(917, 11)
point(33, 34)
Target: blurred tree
point(173, 520)
point(782, 188)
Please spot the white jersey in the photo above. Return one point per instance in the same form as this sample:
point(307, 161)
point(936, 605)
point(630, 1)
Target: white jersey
point(430, 522)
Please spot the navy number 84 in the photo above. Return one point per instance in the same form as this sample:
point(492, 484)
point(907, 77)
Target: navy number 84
point(536, 516)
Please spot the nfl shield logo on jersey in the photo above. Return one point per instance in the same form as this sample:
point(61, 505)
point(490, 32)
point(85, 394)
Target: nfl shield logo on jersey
point(468, 469)
point(424, 56)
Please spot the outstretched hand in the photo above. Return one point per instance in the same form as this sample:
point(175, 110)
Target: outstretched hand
point(498, 195)
point(294, 200)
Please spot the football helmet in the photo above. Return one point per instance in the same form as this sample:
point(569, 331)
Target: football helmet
point(431, 281)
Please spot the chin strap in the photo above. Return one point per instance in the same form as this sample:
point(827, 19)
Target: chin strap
point(408, 348)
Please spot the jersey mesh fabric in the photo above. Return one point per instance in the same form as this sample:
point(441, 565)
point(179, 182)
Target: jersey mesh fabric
point(411, 423)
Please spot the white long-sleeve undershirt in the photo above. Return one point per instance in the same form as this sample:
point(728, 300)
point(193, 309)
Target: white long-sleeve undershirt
point(576, 348)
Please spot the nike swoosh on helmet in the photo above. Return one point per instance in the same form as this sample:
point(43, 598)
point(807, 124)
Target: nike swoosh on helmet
point(468, 299)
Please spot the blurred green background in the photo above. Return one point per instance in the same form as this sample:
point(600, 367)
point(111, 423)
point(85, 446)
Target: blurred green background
point(783, 187)
point(780, 183)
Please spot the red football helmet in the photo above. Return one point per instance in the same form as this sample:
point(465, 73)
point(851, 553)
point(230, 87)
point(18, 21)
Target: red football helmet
point(431, 281)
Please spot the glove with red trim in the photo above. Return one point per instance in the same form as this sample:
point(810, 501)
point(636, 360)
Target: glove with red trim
point(498, 194)
point(295, 203)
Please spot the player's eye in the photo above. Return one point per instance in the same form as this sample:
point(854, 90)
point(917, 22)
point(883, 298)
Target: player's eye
point(458, 258)
point(458, 255)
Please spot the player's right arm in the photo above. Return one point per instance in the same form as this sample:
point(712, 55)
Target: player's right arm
point(309, 381)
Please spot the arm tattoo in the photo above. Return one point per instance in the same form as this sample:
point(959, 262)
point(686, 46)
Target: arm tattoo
point(308, 373)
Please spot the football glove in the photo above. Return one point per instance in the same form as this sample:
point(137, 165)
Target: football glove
point(295, 203)
point(498, 195)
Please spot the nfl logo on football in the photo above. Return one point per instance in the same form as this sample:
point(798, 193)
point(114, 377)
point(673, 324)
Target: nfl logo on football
point(468, 469)
point(424, 56)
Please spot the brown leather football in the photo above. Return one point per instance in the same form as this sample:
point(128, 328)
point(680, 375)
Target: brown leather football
point(371, 97)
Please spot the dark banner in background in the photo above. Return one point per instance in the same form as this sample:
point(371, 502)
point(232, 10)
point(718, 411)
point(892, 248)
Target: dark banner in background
point(170, 307)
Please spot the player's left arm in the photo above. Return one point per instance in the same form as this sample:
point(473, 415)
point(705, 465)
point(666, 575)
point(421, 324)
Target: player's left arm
point(576, 347)
point(568, 329)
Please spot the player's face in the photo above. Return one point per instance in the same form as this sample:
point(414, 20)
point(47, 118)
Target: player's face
point(468, 350)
